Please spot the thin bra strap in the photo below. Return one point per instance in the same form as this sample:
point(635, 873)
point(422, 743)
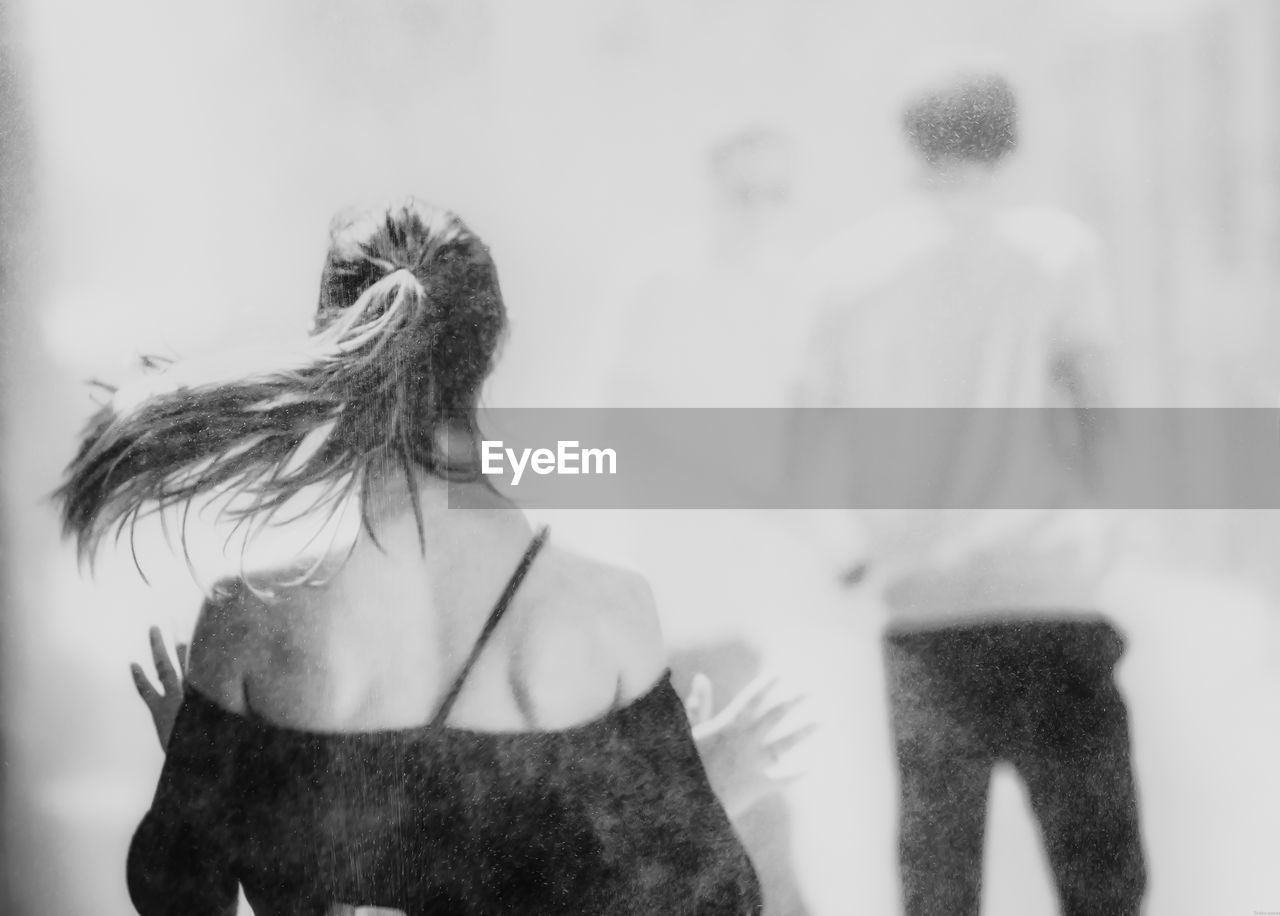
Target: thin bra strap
point(513, 584)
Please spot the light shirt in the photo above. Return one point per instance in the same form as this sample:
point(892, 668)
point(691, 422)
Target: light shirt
point(956, 301)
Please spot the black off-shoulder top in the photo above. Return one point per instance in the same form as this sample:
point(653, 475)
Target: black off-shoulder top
point(611, 817)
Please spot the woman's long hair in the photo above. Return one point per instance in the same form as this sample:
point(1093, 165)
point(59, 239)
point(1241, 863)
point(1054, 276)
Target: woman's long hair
point(409, 320)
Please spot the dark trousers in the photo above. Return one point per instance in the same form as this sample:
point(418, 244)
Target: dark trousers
point(1041, 696)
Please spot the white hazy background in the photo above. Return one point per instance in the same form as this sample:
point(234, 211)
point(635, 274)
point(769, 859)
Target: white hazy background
point(176, 168)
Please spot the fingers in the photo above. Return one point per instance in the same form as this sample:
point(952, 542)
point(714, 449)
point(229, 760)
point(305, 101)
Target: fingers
point(770, 716)
point(783, 769)
point(781, 745)
point(750, 697)
point(756, 709)
point(182, 658)
point(782, 777)
point(143, 685)
point(169, 679)
point(699, 705)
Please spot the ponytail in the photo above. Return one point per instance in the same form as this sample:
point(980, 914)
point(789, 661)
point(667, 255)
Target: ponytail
point(359, 394)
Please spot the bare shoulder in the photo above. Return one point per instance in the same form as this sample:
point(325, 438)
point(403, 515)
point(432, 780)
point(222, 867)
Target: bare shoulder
point(598, 619)
point(225, 643)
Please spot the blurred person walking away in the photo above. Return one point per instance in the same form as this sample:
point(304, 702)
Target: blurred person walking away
point(955, 297)
point(703, 329)
point(708, 330)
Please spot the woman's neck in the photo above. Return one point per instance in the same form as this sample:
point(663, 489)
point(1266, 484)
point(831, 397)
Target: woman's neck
point(398, 517)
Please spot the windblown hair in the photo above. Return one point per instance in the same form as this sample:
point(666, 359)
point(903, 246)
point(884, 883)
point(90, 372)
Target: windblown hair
point(971, 118)
point(409, 320)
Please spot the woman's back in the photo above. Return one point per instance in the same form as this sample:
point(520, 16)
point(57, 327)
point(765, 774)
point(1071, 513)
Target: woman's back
point(380, 643)
point(317, 760)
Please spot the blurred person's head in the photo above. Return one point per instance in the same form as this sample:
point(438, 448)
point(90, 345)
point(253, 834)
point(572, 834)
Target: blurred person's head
point(406, 331)
point(751, 172)
point(962, 124)
point(751, 169)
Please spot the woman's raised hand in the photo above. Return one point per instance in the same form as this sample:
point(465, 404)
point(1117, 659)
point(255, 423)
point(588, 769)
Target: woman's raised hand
point(163, 704)
point(746, 746)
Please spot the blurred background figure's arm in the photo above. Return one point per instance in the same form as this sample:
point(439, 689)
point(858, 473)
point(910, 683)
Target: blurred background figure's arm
point(1084, 362)
point(812, 457)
